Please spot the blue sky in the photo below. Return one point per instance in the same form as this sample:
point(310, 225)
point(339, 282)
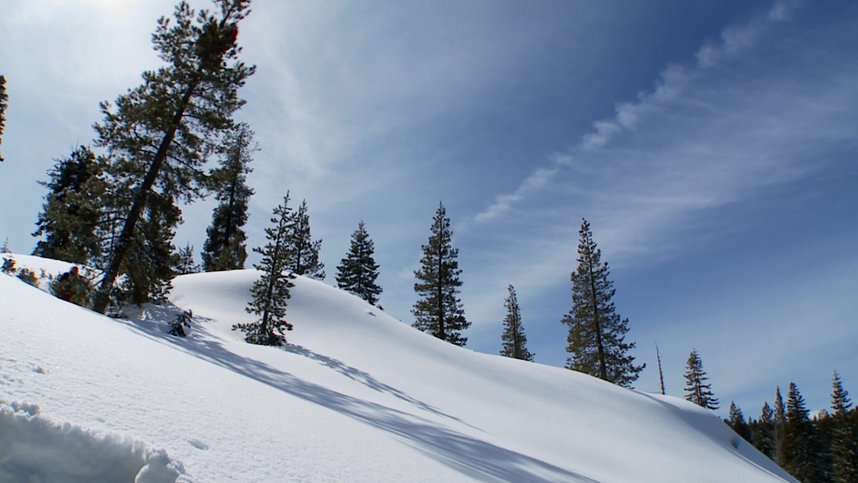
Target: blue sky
point(712, 146)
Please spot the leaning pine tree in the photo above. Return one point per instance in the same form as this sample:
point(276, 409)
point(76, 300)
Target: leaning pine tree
point(439, 310)
point(697, 390)
point(224, 247)
point(514, 340)
point(271, 291)
point(161, 133)
point(596, 332)
point(358, 271)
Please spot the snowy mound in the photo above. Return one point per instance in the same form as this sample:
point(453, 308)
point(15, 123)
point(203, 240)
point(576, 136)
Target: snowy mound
point(355, 396)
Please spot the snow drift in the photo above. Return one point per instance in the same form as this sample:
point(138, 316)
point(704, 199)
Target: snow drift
point(355, 396)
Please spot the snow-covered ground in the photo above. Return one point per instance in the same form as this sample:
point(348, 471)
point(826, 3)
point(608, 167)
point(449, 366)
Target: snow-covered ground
point(355, 396)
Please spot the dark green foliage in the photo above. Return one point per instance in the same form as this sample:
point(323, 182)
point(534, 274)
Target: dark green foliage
point(149, 273)
point(73, 209)
point(696, 389)
point(224, 248)
point(74, 287)
point(161, 133)
point(802, 452)
point(182, 324)
point(4, 98)
point(780, 428)
point(596, 332)
point(271, 291)
point(844, 434)
point(763, 432)
point(514, 340)
point(303, 254)
point(439, 310)
point(736, 421)
point(358, 271)
point(185, 262)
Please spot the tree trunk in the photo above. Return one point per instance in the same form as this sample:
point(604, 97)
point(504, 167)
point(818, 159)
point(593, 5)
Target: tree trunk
point(102, 296)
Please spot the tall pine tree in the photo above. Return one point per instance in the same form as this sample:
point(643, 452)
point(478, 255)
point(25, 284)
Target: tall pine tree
point(271, 291)
point(801, 448)
point(73, 209)
point(514, 340)
point(696, 388)
point(736, 421)
point(763, 431)
point(439, 310)
point(357, 272)
point(597, 334)
point(303, 254)
point(844, 444)
point(224, 248)
point(4, 98)
point(160, 134)
point(780, 427)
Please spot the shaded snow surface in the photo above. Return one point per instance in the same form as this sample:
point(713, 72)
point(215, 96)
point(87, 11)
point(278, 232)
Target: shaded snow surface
point(355, 396)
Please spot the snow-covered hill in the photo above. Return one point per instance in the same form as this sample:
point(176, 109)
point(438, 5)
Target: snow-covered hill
point(355, 396)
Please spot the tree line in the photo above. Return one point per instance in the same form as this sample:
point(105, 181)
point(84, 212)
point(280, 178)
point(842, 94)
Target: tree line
point(822, 448)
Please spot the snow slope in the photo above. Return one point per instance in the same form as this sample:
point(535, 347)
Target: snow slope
point(355, 396)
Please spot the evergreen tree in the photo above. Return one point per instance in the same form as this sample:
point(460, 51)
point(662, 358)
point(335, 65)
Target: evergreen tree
point(844, 443)
point(439, 310)
point(696, 388)
point(271, 291)
point(185, 262)
point(303, 253)
point(72, 212)
point(736, 421)
point(160, 133)
point(224, 248)
point(358, 271)
point(148, 276)
point(4, 98)
point(596, 332)
point(780, 428)
point(801, 451)
point(660, 374)
point(763, 430)
point(514, 340)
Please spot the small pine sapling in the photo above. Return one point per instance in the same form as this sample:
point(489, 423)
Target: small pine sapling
point(183, 320)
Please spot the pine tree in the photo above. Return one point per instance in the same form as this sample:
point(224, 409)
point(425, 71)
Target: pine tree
point(148, 277)
point(696, 388)
point(660, 374)
point(844, 444)
point(224, 248)
point(736, 421)
point(780, 428)
point(596, 332)
point(73, 210)
point(185, 262)
point(439, 310)
point(514, 340)
point(763, 430)
point(271, 291)
point(358, 271)
point(160, 133)
point(801, 450)
point(303, 252)
point(4, 98)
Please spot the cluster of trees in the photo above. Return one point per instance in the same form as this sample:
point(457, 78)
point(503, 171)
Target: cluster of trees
point(821, 448)
point(596, 339)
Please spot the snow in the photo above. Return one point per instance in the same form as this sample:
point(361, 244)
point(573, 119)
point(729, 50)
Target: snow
point(355, 396)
